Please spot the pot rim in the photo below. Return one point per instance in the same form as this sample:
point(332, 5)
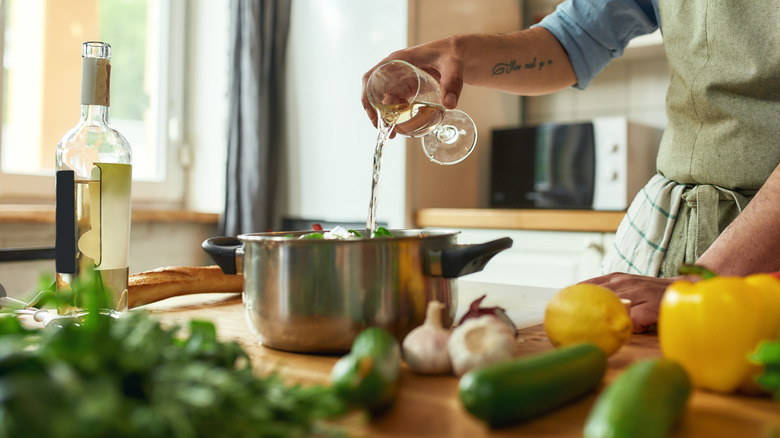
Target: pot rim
point(397, 234)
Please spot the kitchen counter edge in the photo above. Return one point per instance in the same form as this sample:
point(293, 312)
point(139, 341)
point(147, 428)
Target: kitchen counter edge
point(520, 219)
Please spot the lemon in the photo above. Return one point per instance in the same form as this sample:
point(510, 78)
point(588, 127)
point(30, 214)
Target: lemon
point(587, 313)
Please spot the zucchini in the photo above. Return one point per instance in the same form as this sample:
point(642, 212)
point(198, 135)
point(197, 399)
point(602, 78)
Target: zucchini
point(521, 389)
point(646, 401)
point(368, 376)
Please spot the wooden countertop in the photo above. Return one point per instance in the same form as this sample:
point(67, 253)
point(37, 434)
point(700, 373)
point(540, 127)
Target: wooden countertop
point(512, 219)
point(429, 406)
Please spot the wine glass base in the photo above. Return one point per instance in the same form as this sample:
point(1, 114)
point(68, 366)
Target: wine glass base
point(453, 140)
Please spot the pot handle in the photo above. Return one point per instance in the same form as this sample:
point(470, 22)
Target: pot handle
point(227, 252)
point(464, 259)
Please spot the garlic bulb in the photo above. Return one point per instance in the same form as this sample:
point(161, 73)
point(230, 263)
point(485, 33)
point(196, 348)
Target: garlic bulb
point(480, 341)
point(425, 347)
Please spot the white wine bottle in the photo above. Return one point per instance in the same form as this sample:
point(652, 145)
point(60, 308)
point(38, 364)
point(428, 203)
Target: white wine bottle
point(94, 172)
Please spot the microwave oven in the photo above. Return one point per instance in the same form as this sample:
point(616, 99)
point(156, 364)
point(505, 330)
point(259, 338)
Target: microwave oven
point(599, 164)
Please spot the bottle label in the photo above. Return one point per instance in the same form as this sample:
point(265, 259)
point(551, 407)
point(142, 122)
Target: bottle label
point(114, 195)
point(65, 211)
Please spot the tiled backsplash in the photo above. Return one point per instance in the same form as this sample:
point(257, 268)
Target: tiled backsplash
point(633, 87)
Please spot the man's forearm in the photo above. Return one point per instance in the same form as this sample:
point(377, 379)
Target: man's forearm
point(526, 62)
point(752, 242)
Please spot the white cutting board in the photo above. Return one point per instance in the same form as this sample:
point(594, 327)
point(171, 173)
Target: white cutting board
point(523, 304)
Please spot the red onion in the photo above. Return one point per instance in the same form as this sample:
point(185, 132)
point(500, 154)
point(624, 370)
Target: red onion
point(476, 311)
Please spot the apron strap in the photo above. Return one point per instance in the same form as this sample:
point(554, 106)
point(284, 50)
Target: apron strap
point(704, 222)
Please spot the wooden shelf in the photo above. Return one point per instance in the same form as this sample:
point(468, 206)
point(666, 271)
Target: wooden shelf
point(44, 214)
point(544, 220)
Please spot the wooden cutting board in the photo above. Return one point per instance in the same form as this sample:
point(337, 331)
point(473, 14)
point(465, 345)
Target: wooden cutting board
point(523, 304)
point(429, 406)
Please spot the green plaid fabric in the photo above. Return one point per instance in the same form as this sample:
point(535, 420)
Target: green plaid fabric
point(643, 236)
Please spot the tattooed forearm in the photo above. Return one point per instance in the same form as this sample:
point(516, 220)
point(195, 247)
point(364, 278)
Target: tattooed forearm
point(513, 65)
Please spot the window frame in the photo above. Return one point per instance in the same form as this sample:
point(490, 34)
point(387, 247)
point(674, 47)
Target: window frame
point(171, 189)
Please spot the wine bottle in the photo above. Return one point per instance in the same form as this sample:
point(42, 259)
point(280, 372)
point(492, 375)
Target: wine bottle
point(93, 178)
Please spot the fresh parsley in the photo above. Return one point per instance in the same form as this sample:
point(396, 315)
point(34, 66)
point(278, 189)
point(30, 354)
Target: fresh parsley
point(101, 376)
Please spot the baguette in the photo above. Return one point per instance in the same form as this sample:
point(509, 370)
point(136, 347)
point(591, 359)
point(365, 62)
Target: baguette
point(159, 284)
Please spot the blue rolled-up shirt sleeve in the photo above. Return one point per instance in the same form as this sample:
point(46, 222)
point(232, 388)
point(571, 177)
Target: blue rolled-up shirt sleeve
point(593, 32)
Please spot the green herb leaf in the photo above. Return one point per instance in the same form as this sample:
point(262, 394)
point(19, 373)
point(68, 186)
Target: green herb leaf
point(382, 232)
point(313, 236)
point(768, 355)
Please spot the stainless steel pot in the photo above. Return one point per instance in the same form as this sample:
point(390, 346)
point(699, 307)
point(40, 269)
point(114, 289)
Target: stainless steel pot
point(315, 295)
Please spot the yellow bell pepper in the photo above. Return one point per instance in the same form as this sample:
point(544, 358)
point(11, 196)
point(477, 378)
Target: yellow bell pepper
point(711, 326)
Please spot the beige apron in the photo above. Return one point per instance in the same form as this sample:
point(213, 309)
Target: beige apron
point(723, 136)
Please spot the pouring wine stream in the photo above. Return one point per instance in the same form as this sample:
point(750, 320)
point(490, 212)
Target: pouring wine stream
point(383, 134)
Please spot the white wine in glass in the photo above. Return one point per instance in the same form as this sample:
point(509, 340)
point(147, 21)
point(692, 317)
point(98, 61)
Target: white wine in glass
point(408, 101)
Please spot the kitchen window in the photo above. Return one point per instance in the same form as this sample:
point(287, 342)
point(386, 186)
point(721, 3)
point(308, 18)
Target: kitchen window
point(41, 48)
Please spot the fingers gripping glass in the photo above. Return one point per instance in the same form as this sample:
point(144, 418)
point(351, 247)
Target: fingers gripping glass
point(408, 100)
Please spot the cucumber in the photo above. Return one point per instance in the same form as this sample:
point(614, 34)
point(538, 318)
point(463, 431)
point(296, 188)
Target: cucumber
point(528, 387)
point(645, 401)
point(367, 377)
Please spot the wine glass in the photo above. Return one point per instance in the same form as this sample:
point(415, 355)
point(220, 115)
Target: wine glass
point(408, 101)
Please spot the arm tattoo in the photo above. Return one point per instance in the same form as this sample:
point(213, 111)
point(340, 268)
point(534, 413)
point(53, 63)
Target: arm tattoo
point(513, 65)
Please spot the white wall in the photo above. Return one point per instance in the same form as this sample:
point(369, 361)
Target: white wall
point(330, 140)
point(206, 103)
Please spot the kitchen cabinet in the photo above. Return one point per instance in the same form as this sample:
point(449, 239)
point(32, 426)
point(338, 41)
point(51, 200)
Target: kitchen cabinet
point(553, 259)
point(552, 248)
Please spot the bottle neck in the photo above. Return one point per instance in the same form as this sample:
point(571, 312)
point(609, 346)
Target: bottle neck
point(94, 114)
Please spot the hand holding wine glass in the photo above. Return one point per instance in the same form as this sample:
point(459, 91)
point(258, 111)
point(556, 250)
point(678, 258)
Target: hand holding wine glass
point(408, 101)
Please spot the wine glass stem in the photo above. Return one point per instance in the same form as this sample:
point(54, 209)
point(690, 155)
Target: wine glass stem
point(447, 134)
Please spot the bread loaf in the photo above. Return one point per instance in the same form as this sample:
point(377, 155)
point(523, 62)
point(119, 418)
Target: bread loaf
point(159, 284)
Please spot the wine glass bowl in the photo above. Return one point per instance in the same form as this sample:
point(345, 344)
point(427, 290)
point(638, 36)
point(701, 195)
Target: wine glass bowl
point(408, 101)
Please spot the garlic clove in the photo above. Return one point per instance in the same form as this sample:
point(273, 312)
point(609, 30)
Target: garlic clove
point(425, 348)
point(480, 341)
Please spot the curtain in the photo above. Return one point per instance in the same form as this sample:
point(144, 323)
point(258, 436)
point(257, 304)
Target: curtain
point(259, 30)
